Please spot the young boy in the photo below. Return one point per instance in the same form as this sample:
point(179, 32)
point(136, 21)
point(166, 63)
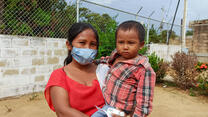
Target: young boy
point(130, 82)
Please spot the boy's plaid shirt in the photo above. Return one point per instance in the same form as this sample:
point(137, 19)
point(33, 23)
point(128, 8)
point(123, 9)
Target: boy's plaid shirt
point(130, 84)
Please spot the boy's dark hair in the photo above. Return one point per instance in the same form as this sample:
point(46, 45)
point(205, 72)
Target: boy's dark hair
point(74, 30)
point(128, 25)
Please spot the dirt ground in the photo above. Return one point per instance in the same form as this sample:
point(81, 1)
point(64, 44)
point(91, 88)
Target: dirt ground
point(168, 102)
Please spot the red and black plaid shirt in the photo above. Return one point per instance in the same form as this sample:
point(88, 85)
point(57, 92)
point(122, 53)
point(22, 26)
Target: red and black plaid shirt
point(130, 84)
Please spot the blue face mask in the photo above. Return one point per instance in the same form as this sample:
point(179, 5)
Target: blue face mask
point(83, 56)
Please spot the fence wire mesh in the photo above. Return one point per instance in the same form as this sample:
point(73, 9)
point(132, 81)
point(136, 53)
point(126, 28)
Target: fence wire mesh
point(158, 30)
point(52, 18)
point(42, 18)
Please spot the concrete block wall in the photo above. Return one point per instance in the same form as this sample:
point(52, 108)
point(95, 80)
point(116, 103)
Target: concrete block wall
point(164, 51)
point(27, 62)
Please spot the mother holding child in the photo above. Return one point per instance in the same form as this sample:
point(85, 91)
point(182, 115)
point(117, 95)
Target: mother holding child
point(74, 91)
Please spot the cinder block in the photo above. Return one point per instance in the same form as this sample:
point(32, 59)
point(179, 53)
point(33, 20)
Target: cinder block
point(45, 52)
point(52, 44)
point(3, 62)
point(39, 78)
point(52, 60)
point(11, 72)
point(20, 42)
point(43, 69)
point(48, 52)
point(38, 61)
point(60, 52)
point(28, 71)
point(29, 52)
point(5, 43)
point(62, 43)
point(22, 61)
point(38, 43)
point(9, 52)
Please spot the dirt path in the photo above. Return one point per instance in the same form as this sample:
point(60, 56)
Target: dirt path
point(168, 102)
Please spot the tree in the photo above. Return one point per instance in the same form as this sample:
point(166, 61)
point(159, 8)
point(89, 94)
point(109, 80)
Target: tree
point(107, 39)
point(189, 32)
point(96, 19)
point(48, 18)
point(163, 36)
point(153, 36)
point(25, 17)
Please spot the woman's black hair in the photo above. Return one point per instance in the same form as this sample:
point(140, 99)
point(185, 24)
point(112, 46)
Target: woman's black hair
point(74, 30)
point(128, 25)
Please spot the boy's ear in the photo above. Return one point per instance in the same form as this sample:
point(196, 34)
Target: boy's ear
point(68, 45)
point(141, 45)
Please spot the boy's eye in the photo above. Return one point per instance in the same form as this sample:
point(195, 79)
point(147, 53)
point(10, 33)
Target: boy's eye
point(131, 42)
point(121, 42)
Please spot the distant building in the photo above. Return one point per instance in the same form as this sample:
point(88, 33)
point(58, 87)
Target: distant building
point(199, 44)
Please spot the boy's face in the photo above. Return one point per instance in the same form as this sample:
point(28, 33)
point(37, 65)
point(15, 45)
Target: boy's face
point(127, 43)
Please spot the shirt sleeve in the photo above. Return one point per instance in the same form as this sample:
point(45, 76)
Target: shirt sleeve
point(57, 78)
point(145, 90)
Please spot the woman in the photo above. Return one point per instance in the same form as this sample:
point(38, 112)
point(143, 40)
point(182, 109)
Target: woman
point(73, 90)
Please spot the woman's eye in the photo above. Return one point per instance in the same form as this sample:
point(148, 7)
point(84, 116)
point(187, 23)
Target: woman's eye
point(94, 44)
point(82, 42)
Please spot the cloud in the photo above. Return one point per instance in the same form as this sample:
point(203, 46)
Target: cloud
point(102, 1)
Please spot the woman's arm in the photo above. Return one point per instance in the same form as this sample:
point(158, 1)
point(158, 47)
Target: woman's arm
point(60, 101)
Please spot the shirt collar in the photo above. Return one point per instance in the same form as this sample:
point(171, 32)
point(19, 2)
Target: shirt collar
point(139, 60)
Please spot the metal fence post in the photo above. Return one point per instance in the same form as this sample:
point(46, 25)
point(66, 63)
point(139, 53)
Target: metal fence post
point(148, 26)
point(78, 1)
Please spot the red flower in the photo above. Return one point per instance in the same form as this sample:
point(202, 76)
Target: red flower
point(203, 66)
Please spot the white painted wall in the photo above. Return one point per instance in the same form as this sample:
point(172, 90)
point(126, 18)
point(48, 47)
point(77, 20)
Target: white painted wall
point(164, 51)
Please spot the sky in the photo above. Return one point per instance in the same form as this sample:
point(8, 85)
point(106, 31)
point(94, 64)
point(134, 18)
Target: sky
point(196, 9)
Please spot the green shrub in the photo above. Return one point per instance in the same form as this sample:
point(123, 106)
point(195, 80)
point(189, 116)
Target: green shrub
point(202, 82)
point(143, 51)
point(159, 66)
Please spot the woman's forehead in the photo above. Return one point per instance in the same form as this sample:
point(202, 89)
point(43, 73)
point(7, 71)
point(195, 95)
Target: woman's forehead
point(87, 35)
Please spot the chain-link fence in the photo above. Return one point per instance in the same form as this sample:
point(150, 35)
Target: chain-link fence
point(42, 18)
point(52, 18)
point(157, 31)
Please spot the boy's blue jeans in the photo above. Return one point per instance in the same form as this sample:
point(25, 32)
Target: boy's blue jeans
point(101, 113)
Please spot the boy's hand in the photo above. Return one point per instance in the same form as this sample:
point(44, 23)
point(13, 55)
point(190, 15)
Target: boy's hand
point(114, 115)
point(120, 113)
